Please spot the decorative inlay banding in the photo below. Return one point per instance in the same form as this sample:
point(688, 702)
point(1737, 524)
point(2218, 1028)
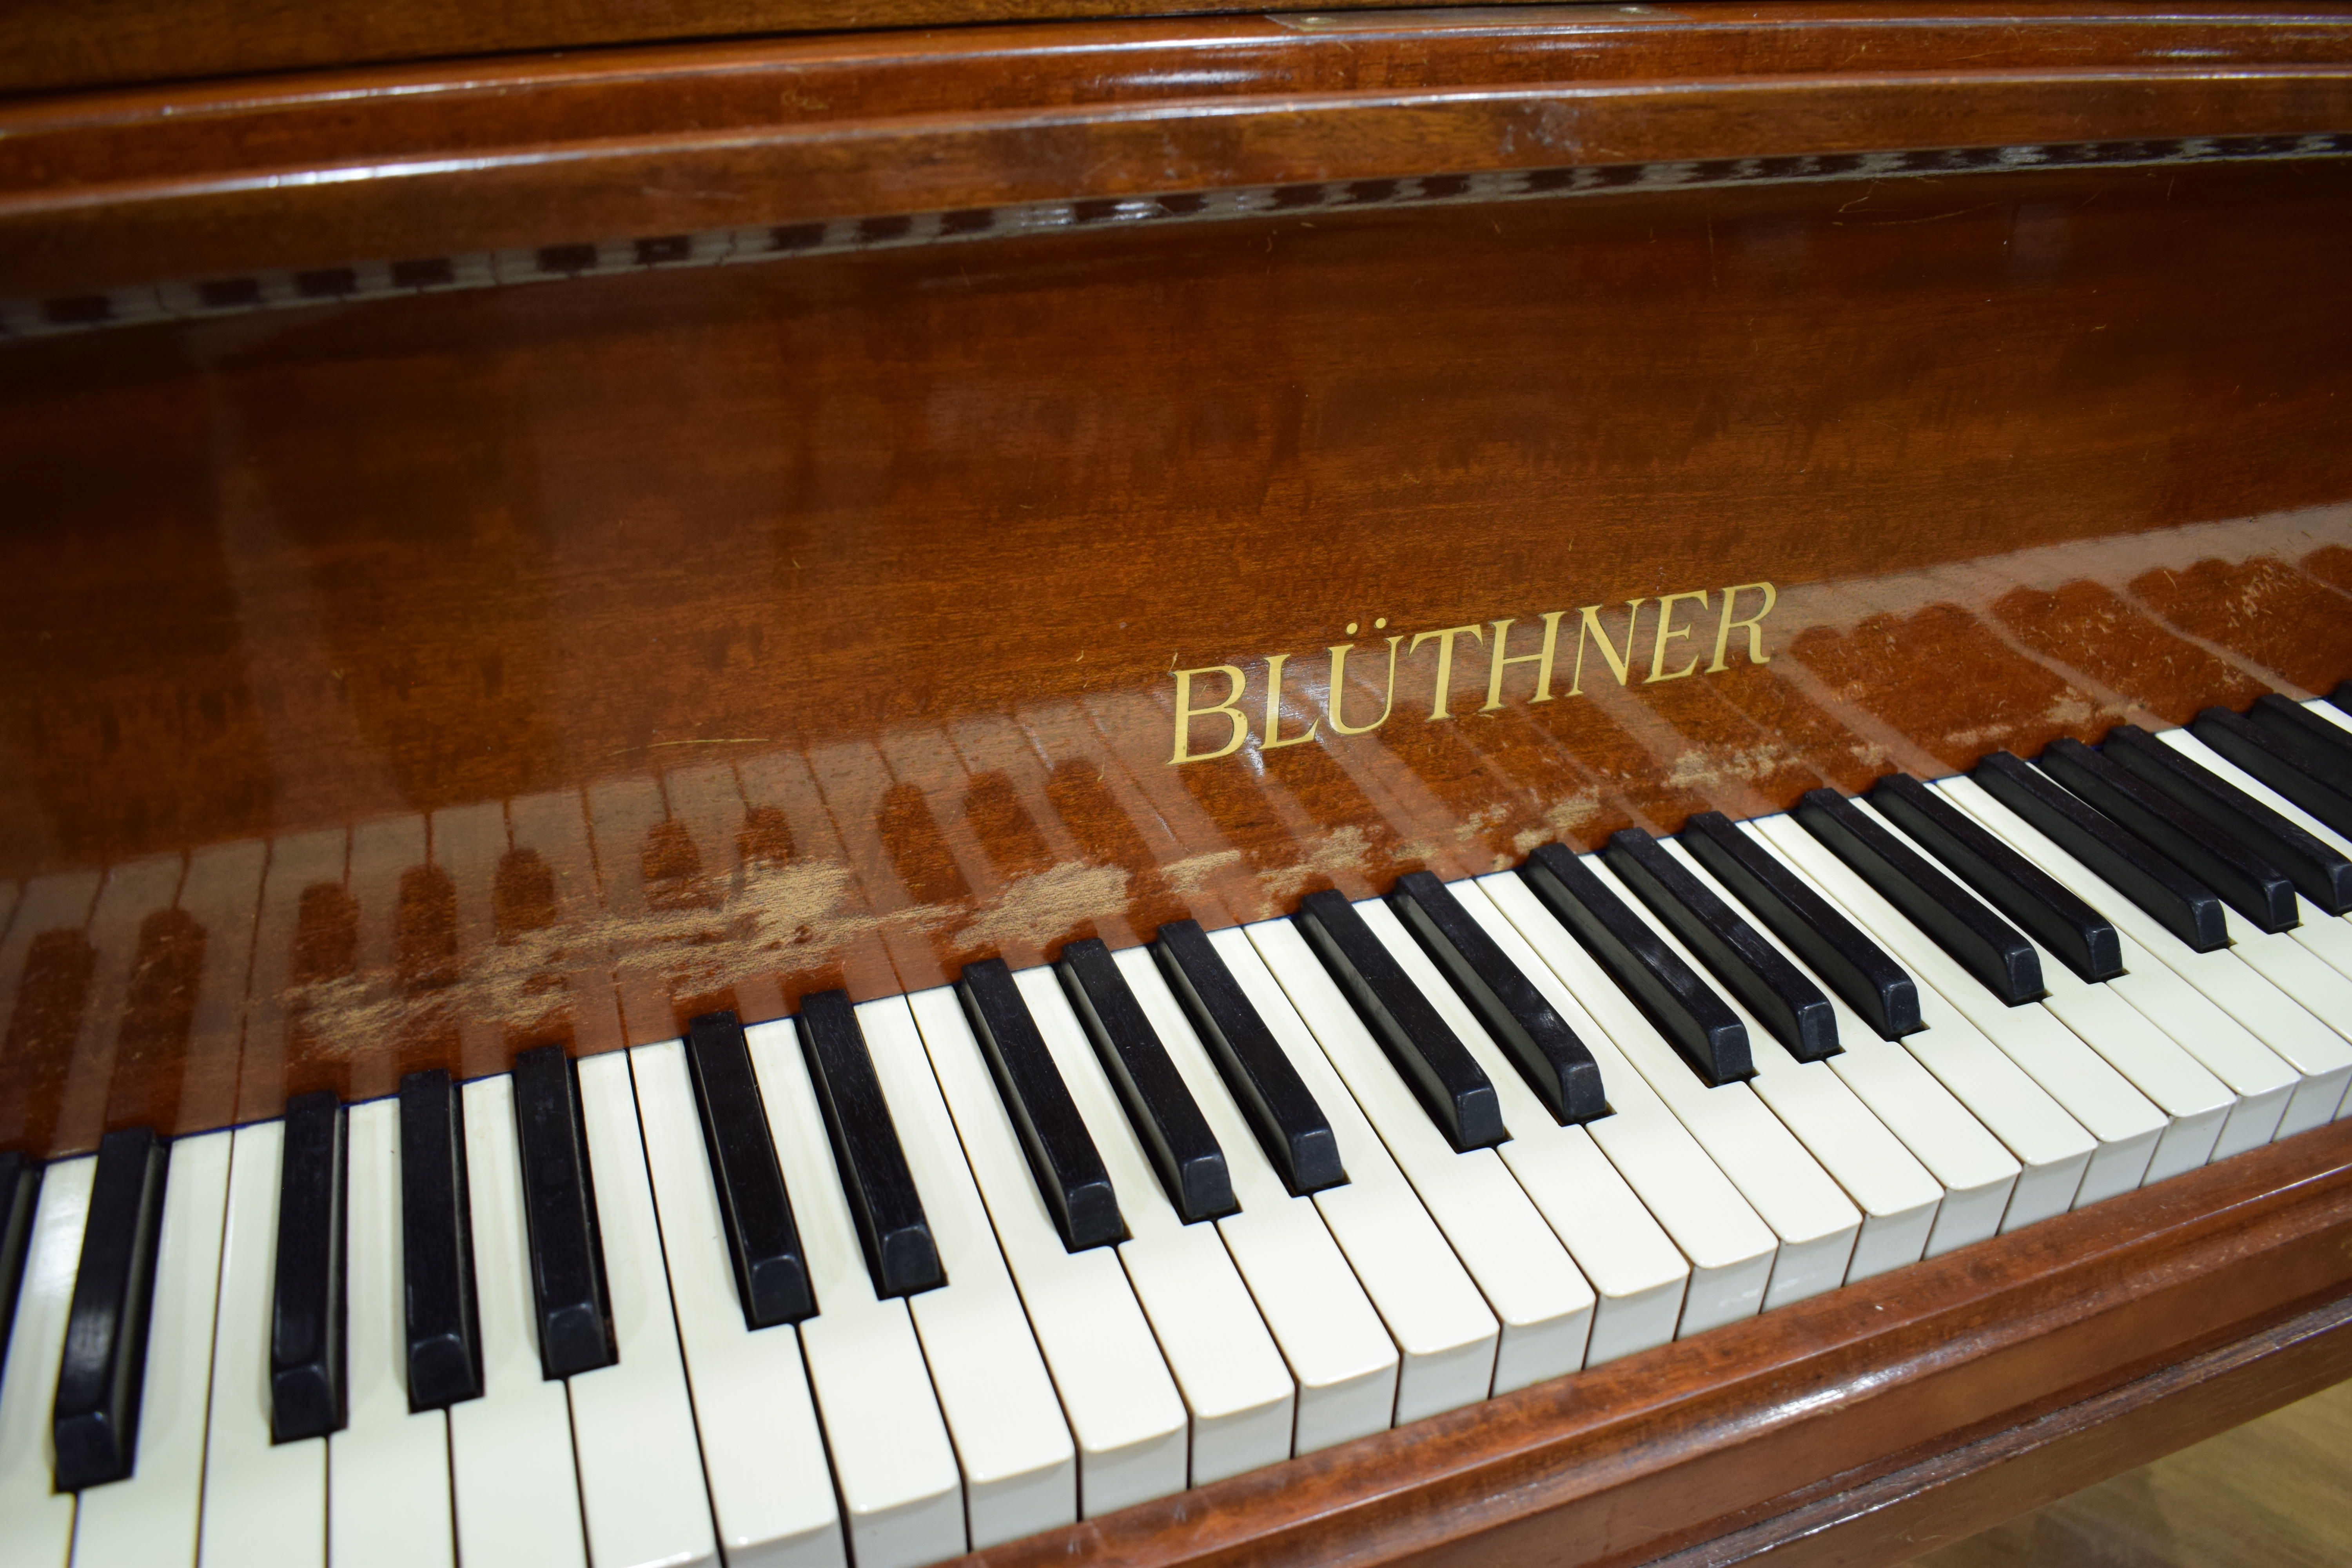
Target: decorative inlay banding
point(281, 289)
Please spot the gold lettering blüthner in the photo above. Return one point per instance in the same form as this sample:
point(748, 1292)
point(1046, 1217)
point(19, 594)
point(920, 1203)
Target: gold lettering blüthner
point(1677, 619)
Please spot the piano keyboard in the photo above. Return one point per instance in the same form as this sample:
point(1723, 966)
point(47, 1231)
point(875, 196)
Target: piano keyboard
point(879, 1284)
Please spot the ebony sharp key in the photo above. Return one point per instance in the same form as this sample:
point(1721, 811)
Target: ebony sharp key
point(2244, 880)
point(436, 1245)
point(1062, 1154)
point(307, 1310)
point(96, 1435)
point(1699, 1024)
point(1291, 1128)
point(1547, 1052)
point(772, 1276)
point(901, 1256)
point(1450, 1084)
point(2320, 872)
point(2304, 774)
point(20, 1183)
point(1174, 1133)
point(2294, 722)
point(1978, 940)
point(2081, 936)
point(1872, 983)
point(1780, 994)
point(559, 1199)
point(2171, 895)
point(2341, 697)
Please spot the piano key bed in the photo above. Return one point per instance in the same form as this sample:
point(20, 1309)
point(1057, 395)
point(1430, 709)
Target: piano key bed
point(881, 1284)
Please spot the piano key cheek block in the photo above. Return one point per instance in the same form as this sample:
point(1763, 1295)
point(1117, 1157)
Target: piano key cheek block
point(870, 794)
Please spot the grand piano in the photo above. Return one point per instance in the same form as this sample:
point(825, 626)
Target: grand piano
point(835, 784)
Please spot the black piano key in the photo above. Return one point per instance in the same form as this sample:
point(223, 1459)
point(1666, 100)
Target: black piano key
point(901, 1255)
point(307, 1305)
point(1862, 972)
point(1782, 997)
point(96, 1431)
point(1695, 1021)
point(559, 1199)
point(2084, 939)
point(436, 1245)
point(2243, 879)
point(1174, 1133)
point(2341, 697)
point(2294, 722)
point(1531, 1032)
point(1291, 1128)
point(1062, 1153)
point(20, 1187)
point(2171, 895)
point(1978, 940)
point(2320, 872)
point(1427, 1055)
point(2304, 774)
point(772, 1276)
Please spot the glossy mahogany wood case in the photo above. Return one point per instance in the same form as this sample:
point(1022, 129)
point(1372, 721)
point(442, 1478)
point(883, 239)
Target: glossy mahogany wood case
point(524, 549)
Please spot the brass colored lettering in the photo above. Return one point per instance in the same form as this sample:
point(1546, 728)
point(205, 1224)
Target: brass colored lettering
point(1274, 708)
point(1620, 663)
point(1542, 661)
point(1658, 647)
point(1727, 625)
point(1339, 698)
point(1444, 662)
point(1230, 707)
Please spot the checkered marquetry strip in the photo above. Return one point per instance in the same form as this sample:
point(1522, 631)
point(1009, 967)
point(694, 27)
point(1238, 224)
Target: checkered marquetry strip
point(273, 289)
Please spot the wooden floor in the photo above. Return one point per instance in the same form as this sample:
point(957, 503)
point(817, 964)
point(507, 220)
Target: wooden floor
point(2276, 1492)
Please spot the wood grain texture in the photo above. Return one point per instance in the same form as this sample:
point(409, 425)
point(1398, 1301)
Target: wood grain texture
point(157, 184)
point(48, 45)
point(2075, 1341)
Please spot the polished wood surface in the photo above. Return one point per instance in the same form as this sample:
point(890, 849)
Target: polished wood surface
point(51, 45)
point(155, 185)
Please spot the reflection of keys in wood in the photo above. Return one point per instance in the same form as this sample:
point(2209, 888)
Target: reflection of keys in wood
point(816, 929)
point(857, 789)
point(1059, 885)
point(553, 929)
point(132, 893)
point(294, 950)
point(621, 814)
point(469, 845)
point(1123, 738)
point(393, 1022)
point(175, 1067)
point(45, 963)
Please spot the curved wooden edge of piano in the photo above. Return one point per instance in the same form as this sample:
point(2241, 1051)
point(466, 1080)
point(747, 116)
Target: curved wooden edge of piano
point(1863, 1426)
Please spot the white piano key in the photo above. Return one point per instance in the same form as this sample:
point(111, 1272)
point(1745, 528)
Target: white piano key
point(1816, 1224)
point(2053, 1149)
point(2118, 1116)
point(1898, 1199)
point(1123, 1407)
point(388, 1470)
point(265, 1503)
point(2302, 1041)
point(2295, 968)
point(1977, 1175)
point(1638, 1277)
point(762, 1452)
point(1731, 1251)
point(1544, 1304)
point(902, 1497)
point(1339, 1355)
point(2263, 1084)
point(2194, 1102)
point(1020, 1465)
point(1236, 1389)
point(36, 1524)
point(1441, 1324)
point(509, 1451)
point(151, 1517)
point(633, 1423)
